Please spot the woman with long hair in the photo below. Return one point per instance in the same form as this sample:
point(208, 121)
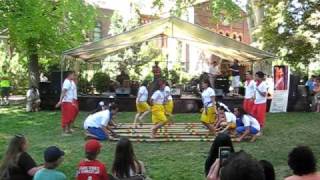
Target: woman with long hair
point(221, 140)
point(125, 164)
point(17, 164)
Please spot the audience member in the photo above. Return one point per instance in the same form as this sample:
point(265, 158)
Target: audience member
point(33, 100)
point(303, 164)
point(125, 164)
point(316, 91)
point(268, 169)
point(91, 168)
point(239, 166)
point(17, 164)
point(53, 157)
point(221, 140)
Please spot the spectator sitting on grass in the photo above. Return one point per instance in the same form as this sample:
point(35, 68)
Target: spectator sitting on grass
point(17, 164)
point(53, 157)
point(125, 164)
point(303, 164)
point(239, 166)
point(220, 140)
point(90, 168)
point(268, 169)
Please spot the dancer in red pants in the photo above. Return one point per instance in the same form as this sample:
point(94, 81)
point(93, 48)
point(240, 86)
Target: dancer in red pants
point(260, 103)
point(69, 104)
point(249, 86)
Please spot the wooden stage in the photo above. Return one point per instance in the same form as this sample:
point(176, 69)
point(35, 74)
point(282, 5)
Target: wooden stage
point(184, 104)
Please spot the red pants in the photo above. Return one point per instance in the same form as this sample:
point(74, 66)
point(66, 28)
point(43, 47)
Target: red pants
point(248, 105)
point(69, 113)
point(259, 112)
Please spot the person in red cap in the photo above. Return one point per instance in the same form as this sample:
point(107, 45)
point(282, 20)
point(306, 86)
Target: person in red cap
point(91, 168)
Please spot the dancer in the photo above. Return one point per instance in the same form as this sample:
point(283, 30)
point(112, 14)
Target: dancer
point(158, 112)
point(235, 77)
point(250, 128)
point(249, 86)
point(69, 103)
point(226, 121)
point(97, 124)
point(260, 103)
point(168, 104)
point(142, 105)
point(208, 116)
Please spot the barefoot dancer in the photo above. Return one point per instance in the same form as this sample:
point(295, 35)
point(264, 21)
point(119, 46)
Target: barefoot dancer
point(158, 113)
point(68, 103)
point(143, 107)
point(260, 103)
point(97, 124)
point(168, 105)
point(251, 126)
point(208, 116)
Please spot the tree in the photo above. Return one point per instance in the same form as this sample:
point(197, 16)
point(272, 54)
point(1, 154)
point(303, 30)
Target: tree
point(44, 29)
point(290, 29)
point(287, 28)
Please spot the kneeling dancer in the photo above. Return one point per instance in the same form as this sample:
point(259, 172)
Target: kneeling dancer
point(97, 124)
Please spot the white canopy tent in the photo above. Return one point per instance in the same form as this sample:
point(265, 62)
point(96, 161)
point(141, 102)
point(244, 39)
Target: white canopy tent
point(172, 27)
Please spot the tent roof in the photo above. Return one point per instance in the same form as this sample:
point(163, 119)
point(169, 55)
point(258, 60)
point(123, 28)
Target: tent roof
point(172, 27)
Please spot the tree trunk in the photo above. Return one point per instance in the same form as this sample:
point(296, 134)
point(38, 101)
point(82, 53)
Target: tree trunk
point(33, 66)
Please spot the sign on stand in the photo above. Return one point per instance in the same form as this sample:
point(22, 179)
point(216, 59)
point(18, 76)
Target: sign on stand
point(279, 101)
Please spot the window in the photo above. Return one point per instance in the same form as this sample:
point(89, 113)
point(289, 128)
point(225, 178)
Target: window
point(97, 35)
point(234, 36)
point(240, 38)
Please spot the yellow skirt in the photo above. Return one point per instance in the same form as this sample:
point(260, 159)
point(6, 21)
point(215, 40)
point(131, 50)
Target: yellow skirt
point(209, 116)
point(158, 114)
point(142, 107)
point(168, 106)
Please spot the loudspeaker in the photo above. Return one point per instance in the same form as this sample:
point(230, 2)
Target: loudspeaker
point(123, 92)
point(55, 80)
point(45, 88)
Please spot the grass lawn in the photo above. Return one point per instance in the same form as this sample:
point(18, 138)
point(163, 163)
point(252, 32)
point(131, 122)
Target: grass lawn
point(164, 161)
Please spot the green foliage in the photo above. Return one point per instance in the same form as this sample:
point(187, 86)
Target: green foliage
point(101, 82)
point(44, 29)
point(290, 31)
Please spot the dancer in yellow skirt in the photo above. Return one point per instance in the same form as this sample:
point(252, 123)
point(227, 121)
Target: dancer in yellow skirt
point(208, 116)
point(143, 107)
point(168, 104)
point(158, 112)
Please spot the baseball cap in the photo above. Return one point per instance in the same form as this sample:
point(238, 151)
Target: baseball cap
point(52, 154)
point(92, 146)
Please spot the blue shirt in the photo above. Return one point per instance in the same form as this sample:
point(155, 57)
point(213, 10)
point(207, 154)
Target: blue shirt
point(310, 84)
point(49, 174)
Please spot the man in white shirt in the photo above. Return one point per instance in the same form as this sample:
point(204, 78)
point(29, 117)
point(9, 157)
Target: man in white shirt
point(213, 72)
point(158, 112)
point(69, 103)
point(251, 126)
point(260, 103)
point(97, 124)
point(33, 100)
point(142, 105)
point(249, 86)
